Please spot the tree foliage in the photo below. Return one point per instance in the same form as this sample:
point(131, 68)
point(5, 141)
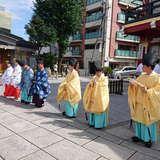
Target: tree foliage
point(65, 16)
point(49, 60)
point(40, 34)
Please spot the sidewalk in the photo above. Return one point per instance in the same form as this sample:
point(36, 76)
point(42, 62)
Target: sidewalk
point(29, 133)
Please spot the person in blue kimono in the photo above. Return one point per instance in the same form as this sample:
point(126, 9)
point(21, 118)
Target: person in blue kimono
point(41, 87)
point(26, 83)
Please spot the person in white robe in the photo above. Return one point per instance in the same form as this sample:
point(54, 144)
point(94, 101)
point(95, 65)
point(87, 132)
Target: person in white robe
point(6, 78)
point(14, 88)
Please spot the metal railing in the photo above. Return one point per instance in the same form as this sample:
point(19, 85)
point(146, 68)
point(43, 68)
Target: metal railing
point(121, 18)
point(126, 53)
point(120, 35)
point(131, 2)
point(94, 17)
point(116, 86)
point(92, 35)
point(76, 52)
point(77, 37)
point(146, 11)
point(89, 2)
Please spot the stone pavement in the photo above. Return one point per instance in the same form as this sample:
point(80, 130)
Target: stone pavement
point(29, 133)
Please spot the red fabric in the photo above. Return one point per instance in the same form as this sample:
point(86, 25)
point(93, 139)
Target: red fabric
point(137, 28)
point(158, 23)
point(7, 87)
point(139, 61)
point(13, 92)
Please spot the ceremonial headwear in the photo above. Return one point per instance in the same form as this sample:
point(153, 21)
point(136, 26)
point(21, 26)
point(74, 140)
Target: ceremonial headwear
point(98, 67)
point(149, 60)
point(40, 61)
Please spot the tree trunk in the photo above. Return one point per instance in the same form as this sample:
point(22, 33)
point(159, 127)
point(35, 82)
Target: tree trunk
point(39, 51)
point(60, 58)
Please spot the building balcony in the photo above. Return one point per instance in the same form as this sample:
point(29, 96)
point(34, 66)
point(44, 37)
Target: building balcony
point(93, 4)
point(143, 12)
point(128, 54)
point(93, 24)
point(127, 38)
point(90, 2)
point(73, 53)
point(130, 3)
point(94, 17)
point(76, 52)
point(77, 37)
point(121, 18)
point(93, 20)
point(92, 41)
point(92, 35)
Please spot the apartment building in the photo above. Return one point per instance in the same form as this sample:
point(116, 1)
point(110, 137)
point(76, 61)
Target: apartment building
point(123, 47)
point(102, 39)
point(88, 45)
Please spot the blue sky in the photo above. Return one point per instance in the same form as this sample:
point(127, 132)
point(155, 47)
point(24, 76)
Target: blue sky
point(21, 11)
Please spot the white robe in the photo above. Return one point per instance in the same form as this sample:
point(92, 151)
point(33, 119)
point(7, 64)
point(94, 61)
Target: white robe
point(157, 68)
point(6, 77)
point(16, 76)
point(140, 68)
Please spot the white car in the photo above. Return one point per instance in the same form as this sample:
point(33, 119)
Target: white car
point(125, 72)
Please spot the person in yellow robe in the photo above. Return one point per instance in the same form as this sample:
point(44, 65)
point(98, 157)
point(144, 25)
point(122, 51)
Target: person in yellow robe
point(70, 91)
point(144, 101)
point(96, 100)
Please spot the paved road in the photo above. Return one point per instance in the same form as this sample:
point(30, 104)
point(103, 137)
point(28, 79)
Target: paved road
point(28, 133)
point(118, 112)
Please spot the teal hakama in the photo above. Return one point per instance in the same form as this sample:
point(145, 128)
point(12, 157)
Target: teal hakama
point(25, 97)
point(71, 111)
point(98, 120)
point(146, 133)
point(25, 85)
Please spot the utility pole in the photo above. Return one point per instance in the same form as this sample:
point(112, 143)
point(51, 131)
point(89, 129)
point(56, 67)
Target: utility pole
point(102, 32)
point(104, 5)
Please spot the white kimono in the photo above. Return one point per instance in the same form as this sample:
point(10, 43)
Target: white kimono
point(157, 68)
point(16, 76)
point(6, 77)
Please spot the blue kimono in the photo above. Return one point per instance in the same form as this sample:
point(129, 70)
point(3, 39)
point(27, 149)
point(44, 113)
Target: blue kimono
point(41, 86)
point(25, 85)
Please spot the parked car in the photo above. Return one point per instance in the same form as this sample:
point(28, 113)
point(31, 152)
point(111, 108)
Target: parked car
point(125, 72)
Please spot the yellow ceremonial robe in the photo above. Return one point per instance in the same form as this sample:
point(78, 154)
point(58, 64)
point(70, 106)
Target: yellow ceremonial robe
point(145, 107)
point(73, 92)
point(96, 98)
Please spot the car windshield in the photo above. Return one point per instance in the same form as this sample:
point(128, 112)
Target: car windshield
point(116, 69)
point(129, 68)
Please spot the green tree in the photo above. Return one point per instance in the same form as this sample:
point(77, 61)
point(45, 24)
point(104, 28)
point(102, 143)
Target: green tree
point(49, 60)
point(39, 34)
point(65, 16)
